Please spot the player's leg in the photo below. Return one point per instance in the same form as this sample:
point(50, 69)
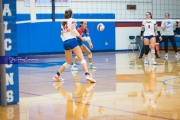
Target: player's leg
point(173, 42)
point(165, 38)
point(152, 46)
point(146, 50)
point(75, 60)
point(74, 67)
point(68, 56)
point(142, 52)
point(68, 45)
point(73, 44)
point(89, 53)
point(157, 53)
point(78, 52)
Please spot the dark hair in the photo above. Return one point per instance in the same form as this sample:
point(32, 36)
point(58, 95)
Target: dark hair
point(167, 14)
point(67, 15)
point(81, 23)
point(150, 14)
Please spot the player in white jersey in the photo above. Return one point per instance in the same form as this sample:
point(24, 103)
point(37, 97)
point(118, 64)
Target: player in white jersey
point(168, 33)
point(68, 35)
point(148, 34)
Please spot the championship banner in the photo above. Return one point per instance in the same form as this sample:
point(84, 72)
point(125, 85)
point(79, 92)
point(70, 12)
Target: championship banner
point(10, 42)
point(49, 2)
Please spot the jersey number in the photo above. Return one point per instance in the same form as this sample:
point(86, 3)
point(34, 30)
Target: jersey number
point(148, 26)
point(66, 28)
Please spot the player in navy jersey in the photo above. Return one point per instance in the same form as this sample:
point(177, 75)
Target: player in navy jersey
point(148, 35)
point(68, 35)
point(84, 32)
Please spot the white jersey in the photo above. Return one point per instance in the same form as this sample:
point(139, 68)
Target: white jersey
point(169, 29)
point(66, 31)
point(149, 27)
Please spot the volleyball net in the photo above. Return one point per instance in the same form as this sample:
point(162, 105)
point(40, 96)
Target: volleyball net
point(122, 10)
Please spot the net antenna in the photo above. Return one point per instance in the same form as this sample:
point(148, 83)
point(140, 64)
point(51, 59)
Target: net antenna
point(33, 10)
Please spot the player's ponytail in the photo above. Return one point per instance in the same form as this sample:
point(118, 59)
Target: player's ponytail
point(67, 15)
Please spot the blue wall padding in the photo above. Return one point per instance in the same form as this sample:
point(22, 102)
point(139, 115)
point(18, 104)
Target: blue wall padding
point(44, 37)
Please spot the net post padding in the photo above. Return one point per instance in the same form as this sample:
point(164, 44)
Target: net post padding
point(3, 96)
point(32, 10)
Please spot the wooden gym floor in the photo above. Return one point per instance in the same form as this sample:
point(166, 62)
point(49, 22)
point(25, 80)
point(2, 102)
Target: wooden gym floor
point(126, 89)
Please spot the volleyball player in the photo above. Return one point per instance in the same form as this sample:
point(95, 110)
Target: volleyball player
point(168, 33)
point(68, 35)
point(177, 28)
point(142, 50)
point(84, 32)
point(148, 34)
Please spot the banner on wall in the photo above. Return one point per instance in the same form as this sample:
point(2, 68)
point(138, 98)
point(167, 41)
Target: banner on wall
point(10, 42)
point(49, 2)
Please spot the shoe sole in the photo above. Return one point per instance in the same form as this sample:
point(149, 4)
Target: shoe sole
point(146, 62)
point(74, 70)
point(92, 68)
point(176, 57)
point(91, 81)
point(58, 79)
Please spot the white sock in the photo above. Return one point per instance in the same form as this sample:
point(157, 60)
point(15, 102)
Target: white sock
point(152, 58)
point(90, 63)
point(74, 74)
point(78, 83)
point(74, 64)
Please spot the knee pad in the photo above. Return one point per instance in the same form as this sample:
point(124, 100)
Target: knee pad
point(152, 51)
point(90, 55)
point(66, 65)
point(76, 57)
point(83, 61)
point(146, 49)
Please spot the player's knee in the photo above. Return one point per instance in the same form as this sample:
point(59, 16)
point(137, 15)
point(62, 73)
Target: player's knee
point(146, 49)
point(90, 55)
point(152, 51)
point(83, 61)
point(76, 57)
point(66, 65)
point(152, 47)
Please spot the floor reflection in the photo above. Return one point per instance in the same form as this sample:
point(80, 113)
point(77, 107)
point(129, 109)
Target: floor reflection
point(77, 104)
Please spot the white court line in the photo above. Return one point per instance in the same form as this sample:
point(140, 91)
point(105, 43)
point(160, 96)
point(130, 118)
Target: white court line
point(92, 20)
